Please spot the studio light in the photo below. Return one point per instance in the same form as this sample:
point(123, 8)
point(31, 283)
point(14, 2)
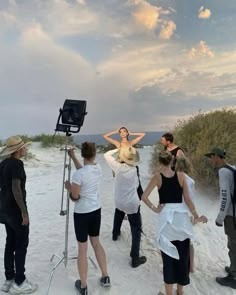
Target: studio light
point(72, 116)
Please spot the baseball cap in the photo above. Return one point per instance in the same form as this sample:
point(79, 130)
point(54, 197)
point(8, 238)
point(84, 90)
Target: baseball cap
point(216, 151)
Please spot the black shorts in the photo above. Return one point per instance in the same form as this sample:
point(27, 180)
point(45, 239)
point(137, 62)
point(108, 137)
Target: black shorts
point(87, 224)
point(177, 271)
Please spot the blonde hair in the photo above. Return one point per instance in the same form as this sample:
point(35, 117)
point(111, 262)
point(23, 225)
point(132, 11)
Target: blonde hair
point(164, 157)
point(183, 165)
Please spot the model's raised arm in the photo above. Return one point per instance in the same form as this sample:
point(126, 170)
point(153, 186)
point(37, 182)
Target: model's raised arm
point(111, 140)
point(139, 136)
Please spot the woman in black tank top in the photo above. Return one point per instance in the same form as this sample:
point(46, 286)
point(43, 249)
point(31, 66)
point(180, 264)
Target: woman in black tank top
point(172, 188)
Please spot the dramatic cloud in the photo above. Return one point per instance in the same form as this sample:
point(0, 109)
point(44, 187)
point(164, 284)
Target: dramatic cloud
point(152, 17)
point(146, 15)
point(204, 13)
point(202, 50)
point(167, 30)
point(118, 55)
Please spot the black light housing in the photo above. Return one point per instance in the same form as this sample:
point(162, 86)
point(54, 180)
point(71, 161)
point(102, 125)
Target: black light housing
point(72, 116)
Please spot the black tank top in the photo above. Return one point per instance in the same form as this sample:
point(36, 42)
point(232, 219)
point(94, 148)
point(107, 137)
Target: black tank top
point(170, 191)
point(173, 153)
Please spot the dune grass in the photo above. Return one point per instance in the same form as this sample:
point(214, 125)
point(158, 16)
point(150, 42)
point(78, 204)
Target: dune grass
point(48, 140)
point(200, 134)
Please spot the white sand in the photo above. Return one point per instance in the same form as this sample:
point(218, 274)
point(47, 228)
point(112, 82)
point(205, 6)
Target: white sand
point(47, 232)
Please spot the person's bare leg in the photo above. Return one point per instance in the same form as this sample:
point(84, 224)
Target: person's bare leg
point(180, 290)
point(191, 269)
point(169, 289)
point(100, 254)
point(82, 263)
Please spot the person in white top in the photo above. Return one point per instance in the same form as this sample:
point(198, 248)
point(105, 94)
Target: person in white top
point(183, 165)
point(84, 191)
point(126, 197)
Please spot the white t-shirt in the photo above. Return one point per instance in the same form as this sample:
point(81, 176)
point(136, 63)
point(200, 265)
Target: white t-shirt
point(126, 183)
point(88, 178)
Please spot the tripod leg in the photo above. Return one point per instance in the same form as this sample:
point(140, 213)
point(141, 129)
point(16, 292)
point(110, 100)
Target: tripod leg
point(52, 273)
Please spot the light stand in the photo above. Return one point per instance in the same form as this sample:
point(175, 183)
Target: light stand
point(72, 117)
point(64, 258)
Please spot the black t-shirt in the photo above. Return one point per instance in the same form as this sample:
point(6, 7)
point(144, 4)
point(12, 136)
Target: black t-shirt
point(11, 168)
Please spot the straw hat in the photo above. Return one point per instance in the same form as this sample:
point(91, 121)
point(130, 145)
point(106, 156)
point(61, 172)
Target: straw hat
point(129, 155)
point(14, 144)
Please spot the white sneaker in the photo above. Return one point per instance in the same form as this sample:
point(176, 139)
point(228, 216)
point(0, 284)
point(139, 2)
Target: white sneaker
point(25, 288)
point(7, 285)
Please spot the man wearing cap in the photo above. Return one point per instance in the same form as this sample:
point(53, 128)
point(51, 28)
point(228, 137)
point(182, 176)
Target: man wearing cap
point(226, 213)
point(14, 214)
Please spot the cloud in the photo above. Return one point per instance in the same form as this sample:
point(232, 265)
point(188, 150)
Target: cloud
point(41, 67)
point(202, 50)
point(146, 14)
point(82, 2)
point(7, 20)
point(65, 18)
point(152, 18)
point(204, 13)
point(167, 30)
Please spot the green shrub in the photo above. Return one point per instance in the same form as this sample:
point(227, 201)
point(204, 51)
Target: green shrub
point(53, 140)
point(25, 137)
point(200, 134)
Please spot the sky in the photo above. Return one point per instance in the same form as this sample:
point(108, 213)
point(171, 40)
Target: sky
point(141, 64)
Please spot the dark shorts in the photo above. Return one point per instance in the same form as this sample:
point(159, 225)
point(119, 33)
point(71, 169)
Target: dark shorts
point(87, 224)
point(177, 271)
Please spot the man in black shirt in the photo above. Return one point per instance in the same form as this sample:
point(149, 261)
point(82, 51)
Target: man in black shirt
point(167, 140)
point(14, 214)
